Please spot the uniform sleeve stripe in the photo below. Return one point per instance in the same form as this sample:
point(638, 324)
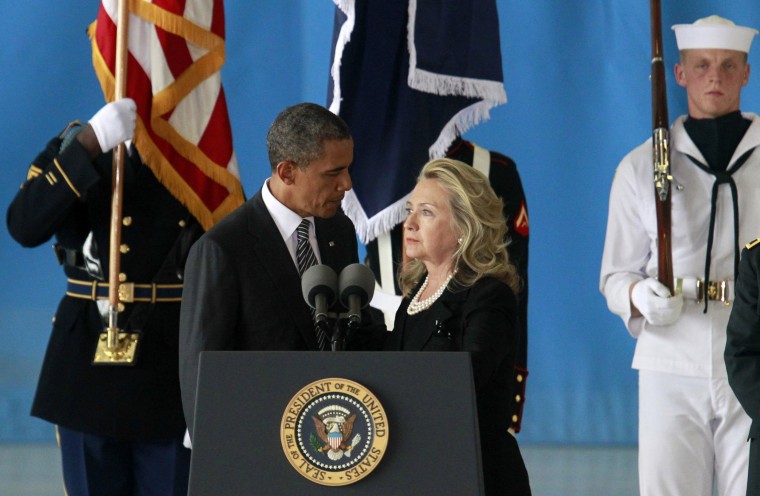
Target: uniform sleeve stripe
point(33, 172)
point(66, 178)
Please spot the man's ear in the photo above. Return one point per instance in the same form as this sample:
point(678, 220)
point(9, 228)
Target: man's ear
point(285, 170)
point(678, 71)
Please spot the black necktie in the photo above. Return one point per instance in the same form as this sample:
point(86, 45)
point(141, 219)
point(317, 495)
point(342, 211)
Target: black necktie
point(306, 258)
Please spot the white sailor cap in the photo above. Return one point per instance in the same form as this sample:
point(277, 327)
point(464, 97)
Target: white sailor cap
point(714, 32)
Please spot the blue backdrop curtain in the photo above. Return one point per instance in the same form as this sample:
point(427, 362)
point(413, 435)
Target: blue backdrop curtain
point(577, 81)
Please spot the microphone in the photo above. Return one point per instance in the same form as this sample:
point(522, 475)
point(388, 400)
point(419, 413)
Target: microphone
point(357, 285)
point(319, 285)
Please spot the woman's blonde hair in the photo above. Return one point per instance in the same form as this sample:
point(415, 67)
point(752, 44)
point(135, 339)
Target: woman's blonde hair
point(478, 220)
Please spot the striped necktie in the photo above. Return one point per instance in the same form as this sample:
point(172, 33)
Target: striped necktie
point(306, 258)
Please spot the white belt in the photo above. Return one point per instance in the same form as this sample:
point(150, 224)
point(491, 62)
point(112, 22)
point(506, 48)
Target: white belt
point(693, 288)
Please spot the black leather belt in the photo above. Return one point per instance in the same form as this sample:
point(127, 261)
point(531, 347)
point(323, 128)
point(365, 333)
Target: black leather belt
point(129, 292)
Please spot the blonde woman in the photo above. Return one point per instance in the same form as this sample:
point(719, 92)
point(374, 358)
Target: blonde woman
point(460, 295)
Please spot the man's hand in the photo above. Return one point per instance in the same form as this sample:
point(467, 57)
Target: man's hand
point(114, 123)
point(653, 300)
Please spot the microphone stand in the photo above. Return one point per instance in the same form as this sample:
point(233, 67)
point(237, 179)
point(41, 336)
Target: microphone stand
point(337, 335)
point(338, 339)
point(346, 325)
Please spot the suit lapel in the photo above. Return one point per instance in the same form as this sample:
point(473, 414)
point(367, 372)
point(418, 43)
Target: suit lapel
point(419, 337)
point(327, 242)
point(442, 310)
point(270, 247)
point(275, 261)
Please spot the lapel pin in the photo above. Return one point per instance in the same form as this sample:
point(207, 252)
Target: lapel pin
point(331, 243)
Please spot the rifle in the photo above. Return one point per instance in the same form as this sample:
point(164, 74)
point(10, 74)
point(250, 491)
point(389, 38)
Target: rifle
point(661, 152)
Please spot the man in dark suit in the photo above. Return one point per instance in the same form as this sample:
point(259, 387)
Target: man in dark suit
point(242, 282)
point(743, 352)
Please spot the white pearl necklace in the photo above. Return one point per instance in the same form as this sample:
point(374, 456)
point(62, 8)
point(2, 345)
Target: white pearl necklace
point(416, 306)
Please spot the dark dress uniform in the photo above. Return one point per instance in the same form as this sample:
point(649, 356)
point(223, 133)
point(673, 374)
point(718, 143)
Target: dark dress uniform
point(506, 183)
point(67, 195)
point(743, 352)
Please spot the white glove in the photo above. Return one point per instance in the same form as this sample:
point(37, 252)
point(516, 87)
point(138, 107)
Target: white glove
point(114, 123)
point(653, 300)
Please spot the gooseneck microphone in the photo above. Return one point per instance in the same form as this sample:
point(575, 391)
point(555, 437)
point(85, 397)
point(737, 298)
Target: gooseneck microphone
point(319, 285)
point(357, 285)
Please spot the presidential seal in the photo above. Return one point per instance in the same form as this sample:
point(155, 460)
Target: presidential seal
point(334, 432)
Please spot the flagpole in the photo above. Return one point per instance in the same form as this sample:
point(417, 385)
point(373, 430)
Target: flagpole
point(114, 346)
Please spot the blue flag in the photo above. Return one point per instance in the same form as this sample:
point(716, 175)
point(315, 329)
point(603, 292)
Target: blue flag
point(408, 76)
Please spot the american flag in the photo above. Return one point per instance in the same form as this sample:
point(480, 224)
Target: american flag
point(183, 132)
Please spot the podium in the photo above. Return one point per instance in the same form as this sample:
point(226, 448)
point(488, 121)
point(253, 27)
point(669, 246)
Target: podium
point(433, 442)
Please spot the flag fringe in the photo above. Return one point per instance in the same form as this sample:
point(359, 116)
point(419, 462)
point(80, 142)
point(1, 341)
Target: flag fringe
point(438, 84)
point(464, 120)
point(444, 84)
point(164, 102)
point(175, 183)
point(348, 8)
point(367, 229)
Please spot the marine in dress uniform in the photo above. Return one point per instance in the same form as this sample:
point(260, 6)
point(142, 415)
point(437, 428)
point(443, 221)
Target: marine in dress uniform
point(691, 427)
point(120, 427)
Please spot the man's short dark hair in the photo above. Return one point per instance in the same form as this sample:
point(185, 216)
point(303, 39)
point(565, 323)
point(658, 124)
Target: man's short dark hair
point(299, 132)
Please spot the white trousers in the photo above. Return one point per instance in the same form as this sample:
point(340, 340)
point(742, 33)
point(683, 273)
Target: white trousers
point(692, 432)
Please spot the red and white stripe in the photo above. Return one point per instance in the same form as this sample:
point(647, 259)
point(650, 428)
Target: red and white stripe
point(176, 51)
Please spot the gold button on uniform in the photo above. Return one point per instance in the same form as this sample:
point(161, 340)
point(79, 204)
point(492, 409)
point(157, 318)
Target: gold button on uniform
point(124, 248)
point(517, 398)
point(514, 419)
point(182, 223)
point(122, 277)
point(519, 378)
point(127, 221)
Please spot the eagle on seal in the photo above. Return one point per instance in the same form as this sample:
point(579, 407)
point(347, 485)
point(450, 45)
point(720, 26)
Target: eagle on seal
point(334, 432)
